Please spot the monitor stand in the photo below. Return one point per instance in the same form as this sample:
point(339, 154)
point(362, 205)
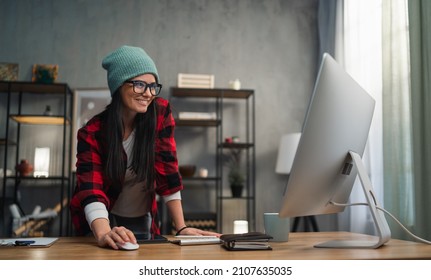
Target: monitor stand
point(382, 227)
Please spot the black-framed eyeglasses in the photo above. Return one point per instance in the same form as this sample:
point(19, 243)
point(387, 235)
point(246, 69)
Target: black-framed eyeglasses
point(140, 87)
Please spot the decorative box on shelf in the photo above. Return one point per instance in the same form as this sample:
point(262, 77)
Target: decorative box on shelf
point(197, 116)
point(195, 81)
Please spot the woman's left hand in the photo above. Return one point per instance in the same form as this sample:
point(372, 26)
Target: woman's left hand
point(196, 231)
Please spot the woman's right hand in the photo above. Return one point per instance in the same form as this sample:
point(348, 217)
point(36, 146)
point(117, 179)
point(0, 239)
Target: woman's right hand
point(116, 235)
point(108, 237)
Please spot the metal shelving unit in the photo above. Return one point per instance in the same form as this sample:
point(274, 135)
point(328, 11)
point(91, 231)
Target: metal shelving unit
point(18, 94)
point(219, 96)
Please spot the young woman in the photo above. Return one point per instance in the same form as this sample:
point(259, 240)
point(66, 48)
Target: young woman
point(126, 155)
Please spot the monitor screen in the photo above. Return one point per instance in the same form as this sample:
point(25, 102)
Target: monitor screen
point(329, 152)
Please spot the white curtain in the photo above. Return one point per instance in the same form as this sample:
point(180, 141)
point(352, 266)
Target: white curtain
point(397, 139)
point(359, 50)
point(371, 45)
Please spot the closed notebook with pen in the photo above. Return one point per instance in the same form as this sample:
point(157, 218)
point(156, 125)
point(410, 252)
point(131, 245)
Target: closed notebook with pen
point(246, 241)
point(29, 242)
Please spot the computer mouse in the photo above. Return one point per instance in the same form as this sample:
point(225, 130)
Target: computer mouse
point(127, 246)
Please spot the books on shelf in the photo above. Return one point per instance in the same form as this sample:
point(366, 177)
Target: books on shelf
point(246, 241)
point(197, 116)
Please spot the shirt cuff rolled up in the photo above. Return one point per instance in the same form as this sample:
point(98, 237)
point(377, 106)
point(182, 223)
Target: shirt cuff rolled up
point(95, 210)
point(169, 197)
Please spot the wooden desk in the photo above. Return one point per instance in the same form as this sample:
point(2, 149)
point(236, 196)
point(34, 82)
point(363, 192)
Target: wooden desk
point(299, 247)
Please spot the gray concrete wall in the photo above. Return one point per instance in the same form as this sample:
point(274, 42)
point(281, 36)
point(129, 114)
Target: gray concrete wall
point(271, 46)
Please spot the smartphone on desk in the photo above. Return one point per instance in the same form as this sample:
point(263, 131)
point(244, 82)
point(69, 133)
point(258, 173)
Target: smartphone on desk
point(143, 238)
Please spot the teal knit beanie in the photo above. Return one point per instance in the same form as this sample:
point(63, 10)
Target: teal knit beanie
point(125, 63)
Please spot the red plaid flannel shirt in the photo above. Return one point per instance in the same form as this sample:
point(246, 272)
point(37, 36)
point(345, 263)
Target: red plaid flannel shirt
point(93, 186)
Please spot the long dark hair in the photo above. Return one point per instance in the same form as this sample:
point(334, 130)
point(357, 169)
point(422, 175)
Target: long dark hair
point(143, 154)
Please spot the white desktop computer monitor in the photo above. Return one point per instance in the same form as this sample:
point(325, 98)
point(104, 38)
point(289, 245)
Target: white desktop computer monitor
point(328, 158)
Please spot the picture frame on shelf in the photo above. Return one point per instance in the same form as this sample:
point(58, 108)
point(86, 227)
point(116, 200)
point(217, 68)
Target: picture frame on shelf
point(9, 71)
point(44, 73)
point(87, 103)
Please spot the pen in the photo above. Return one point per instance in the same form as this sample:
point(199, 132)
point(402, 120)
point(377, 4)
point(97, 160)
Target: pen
point(23, 242)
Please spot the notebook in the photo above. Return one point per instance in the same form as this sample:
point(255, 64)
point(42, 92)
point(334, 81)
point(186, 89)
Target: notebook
point(246, 241)
point(29, 241)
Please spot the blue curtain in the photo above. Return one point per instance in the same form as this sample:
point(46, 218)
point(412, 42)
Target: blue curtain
point(420, 57)
point(326, 27)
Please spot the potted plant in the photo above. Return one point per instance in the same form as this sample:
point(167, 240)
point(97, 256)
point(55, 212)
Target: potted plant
point(236, 176)
point(236, 181)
